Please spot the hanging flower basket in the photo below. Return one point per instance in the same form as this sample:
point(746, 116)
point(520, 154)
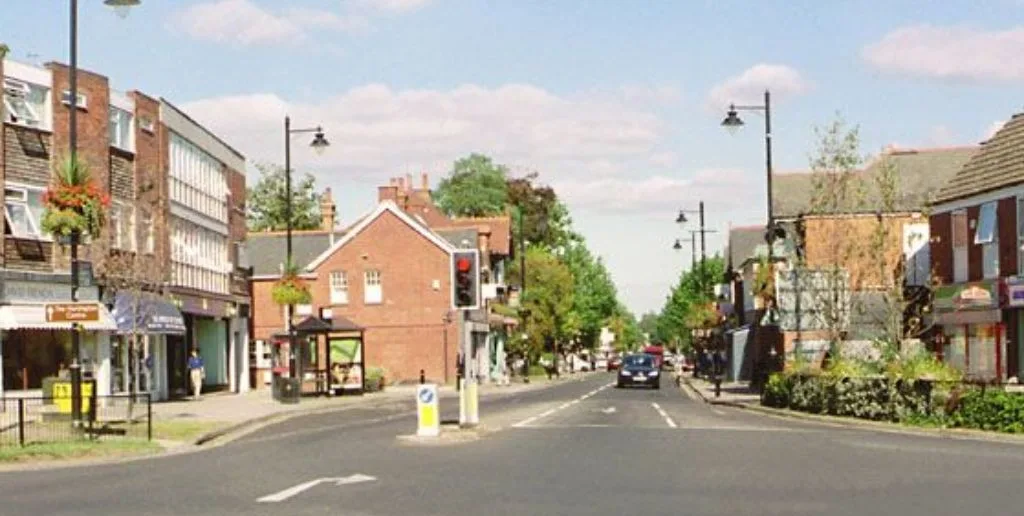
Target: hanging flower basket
point(291, 289)
point(74, 203)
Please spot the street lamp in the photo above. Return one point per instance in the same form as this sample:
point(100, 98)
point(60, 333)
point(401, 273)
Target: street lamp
point(76, 341)
point(122, 7)
point(319, 145)
point(732, 123)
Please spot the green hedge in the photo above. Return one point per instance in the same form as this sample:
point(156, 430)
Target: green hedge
point(882, 398)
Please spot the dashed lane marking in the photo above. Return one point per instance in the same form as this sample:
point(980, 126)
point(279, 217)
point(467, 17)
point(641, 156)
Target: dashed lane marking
point(664, 415)
point(532, 419)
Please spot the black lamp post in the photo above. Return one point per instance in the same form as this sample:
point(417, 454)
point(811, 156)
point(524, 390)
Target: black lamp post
point(702, 230)
point(678, 246)
point(122, 7)
point(733, 123)
point(319, 144)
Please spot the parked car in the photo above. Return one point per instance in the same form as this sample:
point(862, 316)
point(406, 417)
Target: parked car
point(614, 363)
point(639, 370)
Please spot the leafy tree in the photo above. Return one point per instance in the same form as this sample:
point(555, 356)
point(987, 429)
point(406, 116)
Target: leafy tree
point(686, 306)
point(627, 333)
point(594, 293)
point(648, 324)
point(544, 219)
point(547, 303)
point(476, 187)
point(267, 201)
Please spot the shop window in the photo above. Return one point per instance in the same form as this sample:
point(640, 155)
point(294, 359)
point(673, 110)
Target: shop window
point(955, 349)
point(982, 349)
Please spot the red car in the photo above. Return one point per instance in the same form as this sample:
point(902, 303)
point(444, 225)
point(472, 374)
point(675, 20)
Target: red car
point(614, 363)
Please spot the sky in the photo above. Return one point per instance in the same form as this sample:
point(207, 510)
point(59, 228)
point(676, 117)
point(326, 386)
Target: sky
point(615, 103)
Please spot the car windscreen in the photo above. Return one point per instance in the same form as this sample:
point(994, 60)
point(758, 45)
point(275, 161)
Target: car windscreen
point(639, 361)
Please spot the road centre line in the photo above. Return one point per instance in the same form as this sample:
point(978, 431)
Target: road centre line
point(563, 406)
point(664, 415)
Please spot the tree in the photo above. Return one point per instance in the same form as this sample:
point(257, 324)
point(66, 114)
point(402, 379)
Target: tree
point(547, 303)
point(267, 202)
point(545, 220)
point(687, 305)
point(476, 187)
point(594, 293)
point(649, 324)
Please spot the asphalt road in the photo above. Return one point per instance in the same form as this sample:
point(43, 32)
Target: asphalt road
point(576, 448)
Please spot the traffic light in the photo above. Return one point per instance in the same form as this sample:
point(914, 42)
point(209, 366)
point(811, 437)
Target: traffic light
point(466, 280)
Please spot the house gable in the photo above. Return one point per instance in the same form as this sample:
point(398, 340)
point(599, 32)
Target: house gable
point(385, 207)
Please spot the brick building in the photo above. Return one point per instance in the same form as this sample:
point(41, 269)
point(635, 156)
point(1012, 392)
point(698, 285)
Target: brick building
point(977, 245)
point(124, 139)
point(389, 273)
point(823, 238)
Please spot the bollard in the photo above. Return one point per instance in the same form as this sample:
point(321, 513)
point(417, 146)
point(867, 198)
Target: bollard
point(718, 386)
point(423, 377)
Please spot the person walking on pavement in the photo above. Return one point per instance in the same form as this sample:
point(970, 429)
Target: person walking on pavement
point(196, 373)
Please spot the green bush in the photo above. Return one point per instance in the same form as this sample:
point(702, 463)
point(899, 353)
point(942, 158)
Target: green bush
point(777, 391)
point(990, 409)
point(375, 379)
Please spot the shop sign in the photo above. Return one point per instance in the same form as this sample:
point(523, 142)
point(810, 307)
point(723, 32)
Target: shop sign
point(41, 292)
point(72, 312)
point(62, 396)
point(1015, 292)
point(977, 295)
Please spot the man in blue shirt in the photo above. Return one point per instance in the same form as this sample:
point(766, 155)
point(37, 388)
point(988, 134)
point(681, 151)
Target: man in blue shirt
point(196, 373)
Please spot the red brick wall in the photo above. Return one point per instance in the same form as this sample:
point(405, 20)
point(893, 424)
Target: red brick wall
point(150, 177)
point(1006, 225)
point(236, 226)
point(975, 269)
point(941, 229)
point(405, 333)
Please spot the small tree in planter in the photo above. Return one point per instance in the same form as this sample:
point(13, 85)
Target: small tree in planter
point(291, 289)
point(74, 203)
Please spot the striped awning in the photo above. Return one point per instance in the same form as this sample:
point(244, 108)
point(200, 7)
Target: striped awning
point(33, 317)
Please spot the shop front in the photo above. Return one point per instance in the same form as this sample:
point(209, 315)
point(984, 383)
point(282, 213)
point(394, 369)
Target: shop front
point(145, 324)
point(216, 329)
point(973, 336)
point(35, 346)
point(1013, 318)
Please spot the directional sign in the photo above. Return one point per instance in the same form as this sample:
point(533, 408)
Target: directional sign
point(281, 496)
point(72, 312)
point(429, 421)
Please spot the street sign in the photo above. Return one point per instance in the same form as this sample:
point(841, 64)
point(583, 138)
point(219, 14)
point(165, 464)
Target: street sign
point(427, 411)
point(72, 312)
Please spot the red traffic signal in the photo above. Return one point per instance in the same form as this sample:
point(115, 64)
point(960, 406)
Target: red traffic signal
point(463, 265)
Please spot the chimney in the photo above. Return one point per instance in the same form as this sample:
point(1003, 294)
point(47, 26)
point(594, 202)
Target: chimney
point(408, 182)
point(327, 213)
point(426, 181)
point(400, 182)
point(387, 193)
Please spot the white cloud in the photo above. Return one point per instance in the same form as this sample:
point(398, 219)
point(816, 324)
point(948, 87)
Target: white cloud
point(397, 6)
point(235, 21)
point(941, 135)
point(992, 129)
point(376, 131)
point(656, 194)
point(952, 53)
point(244, 23)
point(749, 86)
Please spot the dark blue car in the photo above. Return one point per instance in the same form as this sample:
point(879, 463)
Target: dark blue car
point(639, 370)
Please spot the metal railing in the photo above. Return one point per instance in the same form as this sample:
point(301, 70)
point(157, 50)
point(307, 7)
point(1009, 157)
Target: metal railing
point(47, 419)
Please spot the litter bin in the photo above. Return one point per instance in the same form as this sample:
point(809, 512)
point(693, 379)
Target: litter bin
point(286, 390)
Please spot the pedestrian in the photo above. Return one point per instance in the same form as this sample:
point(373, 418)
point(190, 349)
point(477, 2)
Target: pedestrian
point(197, 373)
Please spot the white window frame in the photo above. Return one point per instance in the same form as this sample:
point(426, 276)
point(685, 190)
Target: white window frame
point(961, 255)
point(81, 101)
point(373, 289)
point(339, 287)
point(35, 225)
point(988, 220)
point(117, 116)
point(149, 236)
point(15, 93)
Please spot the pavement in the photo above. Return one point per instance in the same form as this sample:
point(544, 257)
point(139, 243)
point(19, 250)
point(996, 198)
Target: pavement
point(731, 393)
point(579, 447)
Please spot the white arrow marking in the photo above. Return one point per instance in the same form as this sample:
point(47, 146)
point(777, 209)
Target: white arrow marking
point(281, 496)
point(609, 410)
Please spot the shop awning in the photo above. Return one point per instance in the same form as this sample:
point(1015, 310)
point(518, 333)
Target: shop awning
point(147, 313)
point(33, 317)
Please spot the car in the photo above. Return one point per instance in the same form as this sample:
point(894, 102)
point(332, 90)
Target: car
point(614, 363)
point(639, 370)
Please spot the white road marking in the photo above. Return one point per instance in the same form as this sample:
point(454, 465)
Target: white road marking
point(664, 415)
point(719, 412)
point(548, 413)
point(609, 410)
point(563, 406)
point(281, 496)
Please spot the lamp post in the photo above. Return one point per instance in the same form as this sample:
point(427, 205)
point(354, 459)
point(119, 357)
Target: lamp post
point(733, 123)
point(678, 246)
point(703, 231)
point(319, 144)
point(122, 7)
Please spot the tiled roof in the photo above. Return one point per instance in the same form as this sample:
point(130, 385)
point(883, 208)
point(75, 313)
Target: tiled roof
point(743, 242)
point(999, 163)
point(499, 227)
point(920, 174)
point(267, 250)
point(460, 238)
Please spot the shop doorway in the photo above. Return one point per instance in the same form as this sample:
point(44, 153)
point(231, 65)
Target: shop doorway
point(177, 366)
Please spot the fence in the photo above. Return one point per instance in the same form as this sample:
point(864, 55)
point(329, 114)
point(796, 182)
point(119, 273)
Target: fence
point(47, 419)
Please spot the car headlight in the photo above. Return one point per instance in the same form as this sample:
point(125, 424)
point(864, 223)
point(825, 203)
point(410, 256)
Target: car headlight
point(652, 373)
point(625, 373)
